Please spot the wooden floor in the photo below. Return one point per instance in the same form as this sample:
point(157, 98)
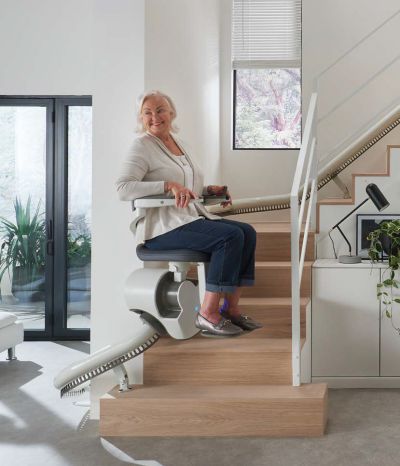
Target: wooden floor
point(230, 387)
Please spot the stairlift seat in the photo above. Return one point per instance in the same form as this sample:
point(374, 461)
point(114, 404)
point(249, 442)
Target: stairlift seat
point(172, 255)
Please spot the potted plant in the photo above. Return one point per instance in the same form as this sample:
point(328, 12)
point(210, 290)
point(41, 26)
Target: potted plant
point(22, 251)
point(386, 238)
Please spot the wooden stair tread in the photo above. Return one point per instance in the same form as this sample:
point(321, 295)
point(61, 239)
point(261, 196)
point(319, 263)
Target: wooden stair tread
point(223, 345)
point(279, 264)
point(274, 227)
point(275, 392)
point(274, 302)
point(203, 410)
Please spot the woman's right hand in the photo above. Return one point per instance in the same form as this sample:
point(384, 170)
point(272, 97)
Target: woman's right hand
point(182, 194)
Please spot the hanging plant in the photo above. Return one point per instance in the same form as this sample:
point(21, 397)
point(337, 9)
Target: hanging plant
point(386, 239)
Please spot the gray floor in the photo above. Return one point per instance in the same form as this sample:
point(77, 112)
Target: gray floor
point(36, 427)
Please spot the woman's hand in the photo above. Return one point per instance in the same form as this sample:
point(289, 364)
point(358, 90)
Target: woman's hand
point(182, 194)
point(219, 191)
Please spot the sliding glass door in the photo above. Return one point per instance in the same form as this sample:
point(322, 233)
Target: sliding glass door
point(45, 220)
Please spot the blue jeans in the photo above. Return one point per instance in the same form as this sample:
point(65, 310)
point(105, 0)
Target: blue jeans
point(231, 244)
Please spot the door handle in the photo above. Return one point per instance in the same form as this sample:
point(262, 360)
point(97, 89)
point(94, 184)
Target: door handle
point(50, 242)
point(50, 230)
point(50, 248)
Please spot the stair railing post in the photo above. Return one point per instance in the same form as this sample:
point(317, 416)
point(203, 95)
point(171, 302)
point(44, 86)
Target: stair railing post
point(295, 236)
point(306, 156)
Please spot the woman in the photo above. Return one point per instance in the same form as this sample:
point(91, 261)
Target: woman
point(158, 163)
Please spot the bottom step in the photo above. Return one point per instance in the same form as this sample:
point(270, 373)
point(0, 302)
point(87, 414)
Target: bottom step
point(215, 411)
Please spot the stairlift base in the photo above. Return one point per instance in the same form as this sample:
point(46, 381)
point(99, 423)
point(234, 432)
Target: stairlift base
point(123, 378)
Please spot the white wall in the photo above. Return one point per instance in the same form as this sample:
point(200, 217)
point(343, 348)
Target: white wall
point(46, 47)
point(329, 30)
point(118, 42)
point(182, 59)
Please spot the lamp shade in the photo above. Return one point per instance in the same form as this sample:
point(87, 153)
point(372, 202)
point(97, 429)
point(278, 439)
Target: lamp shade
point(376, 196)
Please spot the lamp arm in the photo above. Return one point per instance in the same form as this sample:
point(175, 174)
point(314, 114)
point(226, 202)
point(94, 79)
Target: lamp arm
point(347, 241)
point(348, 215)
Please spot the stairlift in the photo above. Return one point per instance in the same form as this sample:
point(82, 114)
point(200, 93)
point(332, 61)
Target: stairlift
point(164, 298)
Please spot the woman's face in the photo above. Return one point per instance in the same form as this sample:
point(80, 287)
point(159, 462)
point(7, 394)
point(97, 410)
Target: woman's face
point(157, 116)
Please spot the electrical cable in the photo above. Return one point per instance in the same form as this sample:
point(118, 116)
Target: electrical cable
point(333, 245)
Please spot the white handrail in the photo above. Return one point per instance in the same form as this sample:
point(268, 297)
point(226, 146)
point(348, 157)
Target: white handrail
point(306, 156)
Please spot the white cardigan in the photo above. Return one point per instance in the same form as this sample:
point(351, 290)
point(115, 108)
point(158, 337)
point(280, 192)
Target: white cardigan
point(148, 165)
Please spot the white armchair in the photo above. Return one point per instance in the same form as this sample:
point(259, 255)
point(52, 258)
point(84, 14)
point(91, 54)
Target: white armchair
point(11, 333)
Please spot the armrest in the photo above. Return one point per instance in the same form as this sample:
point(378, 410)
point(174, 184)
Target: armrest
point(160, 200)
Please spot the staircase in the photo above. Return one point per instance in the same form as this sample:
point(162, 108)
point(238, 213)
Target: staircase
point(239, 387)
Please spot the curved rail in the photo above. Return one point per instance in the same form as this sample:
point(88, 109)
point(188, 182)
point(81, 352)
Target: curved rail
point(325, 175)
point(103, 360)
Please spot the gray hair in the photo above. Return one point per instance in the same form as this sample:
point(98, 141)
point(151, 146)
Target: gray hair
point(140, 102)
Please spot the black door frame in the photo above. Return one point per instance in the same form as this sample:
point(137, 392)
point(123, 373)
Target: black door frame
point(56, 213)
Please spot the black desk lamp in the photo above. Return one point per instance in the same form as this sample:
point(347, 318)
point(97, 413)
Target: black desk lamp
point(376, 196)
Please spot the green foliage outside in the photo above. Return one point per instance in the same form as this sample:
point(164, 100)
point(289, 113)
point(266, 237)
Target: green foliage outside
point(79, 250)
point(23, 244)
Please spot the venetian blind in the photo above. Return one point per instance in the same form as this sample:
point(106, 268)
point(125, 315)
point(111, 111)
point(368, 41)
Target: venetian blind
point(266, 34)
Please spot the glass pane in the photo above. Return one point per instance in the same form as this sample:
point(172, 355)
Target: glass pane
point(268, 109)
point(22, 213)
point(79, 237)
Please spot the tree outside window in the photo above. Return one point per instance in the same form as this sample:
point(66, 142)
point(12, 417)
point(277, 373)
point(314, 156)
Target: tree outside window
point(267, 108)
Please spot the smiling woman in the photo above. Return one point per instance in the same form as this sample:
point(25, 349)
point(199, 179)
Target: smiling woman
point(158, 163)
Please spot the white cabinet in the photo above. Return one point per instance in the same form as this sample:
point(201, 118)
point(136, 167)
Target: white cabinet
point(390, 345)
point(352, 344)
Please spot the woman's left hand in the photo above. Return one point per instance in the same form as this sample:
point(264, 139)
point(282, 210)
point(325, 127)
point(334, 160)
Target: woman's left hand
point(228, 200)
point(219, 191)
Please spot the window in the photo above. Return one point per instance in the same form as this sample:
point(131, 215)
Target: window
point(266, 58)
